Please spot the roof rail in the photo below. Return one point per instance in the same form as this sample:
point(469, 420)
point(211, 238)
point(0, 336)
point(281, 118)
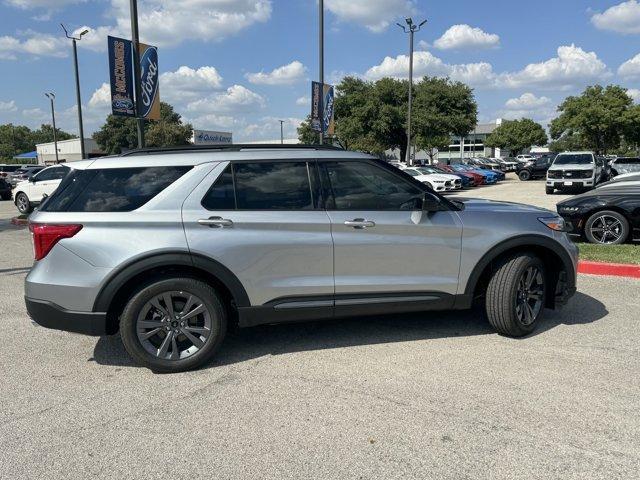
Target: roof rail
point(236, 147)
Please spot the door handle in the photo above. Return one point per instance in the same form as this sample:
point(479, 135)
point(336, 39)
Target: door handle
point(217, 222)
point(360, 223)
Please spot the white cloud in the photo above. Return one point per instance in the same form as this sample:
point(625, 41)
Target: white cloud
point(425, 63)
point(376, 15)
point(187, 83)
point(529, 106)
point(101, 97)
point(465, 36)
point(303, 101)
point(38, 44)
point(621, 18)
point(9, 106)
point(572, 67)
point(29, 4)
point(284, 75)
point(269, 129)
point(176, 21)
point(631, 68)
point(236, 99)
point(635, 94)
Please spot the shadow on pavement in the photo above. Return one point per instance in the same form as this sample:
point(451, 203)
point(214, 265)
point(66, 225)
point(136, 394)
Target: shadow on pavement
point(246, 344)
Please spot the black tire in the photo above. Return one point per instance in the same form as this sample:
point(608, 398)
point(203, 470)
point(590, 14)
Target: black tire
point(549, 190)
point(524, 175)
point(23, 204)
point(617, 233)
point(503, 305)
point(180, 285)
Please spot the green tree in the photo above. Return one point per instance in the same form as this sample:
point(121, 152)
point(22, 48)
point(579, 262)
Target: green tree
point(17, 139)
point(45, 134)
point(306, 134)
point(517, 135)
point(442, 108)
point(597, 116)
point(631, 131)
point(120, 133)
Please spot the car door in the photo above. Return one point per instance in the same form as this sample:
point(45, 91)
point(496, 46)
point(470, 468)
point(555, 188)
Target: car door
point(262, 221)
point(385, 245)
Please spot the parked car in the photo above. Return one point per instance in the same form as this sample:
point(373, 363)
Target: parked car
point(23, 173)
point(525, 158)
point(170, 249)
point(6, 169)
point(437, 183)
point(29, 193)
point(508, 165)
point(489, 176)
point(466, 180)
point(5, 189)
point(480, 164)
point(534, 169)
point(605, 215)
point(455, 179)
point(622, 165)
point(475, 178)
point(624, 179)
point(574, 170)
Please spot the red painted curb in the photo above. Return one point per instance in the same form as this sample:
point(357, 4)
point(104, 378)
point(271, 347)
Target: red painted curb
point(613, 269)
point(19, 221)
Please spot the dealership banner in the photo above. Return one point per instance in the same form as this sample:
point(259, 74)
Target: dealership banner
point(150, 98)
point(322, 116)
point(121, 75)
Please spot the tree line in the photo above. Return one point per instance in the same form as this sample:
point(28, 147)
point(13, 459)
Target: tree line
point(17, 139)
point(371, 116)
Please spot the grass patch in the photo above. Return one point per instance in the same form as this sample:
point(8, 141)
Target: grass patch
point(610, 253)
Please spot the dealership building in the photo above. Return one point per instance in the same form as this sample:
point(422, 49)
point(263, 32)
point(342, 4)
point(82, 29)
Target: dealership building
point(68, 151)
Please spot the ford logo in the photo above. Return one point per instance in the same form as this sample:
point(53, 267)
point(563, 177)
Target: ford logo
point(149, 79)
point(123, 104)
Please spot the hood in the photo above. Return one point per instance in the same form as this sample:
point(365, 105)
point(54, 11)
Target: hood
point(480, 204)
point(572, 166)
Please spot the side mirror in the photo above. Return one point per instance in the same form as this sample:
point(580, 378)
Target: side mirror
point(32, 179)
point(432, 204)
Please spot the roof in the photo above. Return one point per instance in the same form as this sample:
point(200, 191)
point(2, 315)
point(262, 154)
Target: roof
point(33, 154)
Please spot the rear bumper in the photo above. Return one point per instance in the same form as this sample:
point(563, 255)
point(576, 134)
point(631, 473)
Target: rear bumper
point(50, 315)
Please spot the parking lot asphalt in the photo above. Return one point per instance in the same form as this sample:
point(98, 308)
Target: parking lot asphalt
point(435, 395)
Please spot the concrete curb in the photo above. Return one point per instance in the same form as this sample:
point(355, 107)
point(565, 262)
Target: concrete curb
point(612, 269)
point(19, 221)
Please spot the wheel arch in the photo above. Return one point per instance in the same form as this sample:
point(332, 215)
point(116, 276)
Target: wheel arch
point(124, 281)
point(556, 260)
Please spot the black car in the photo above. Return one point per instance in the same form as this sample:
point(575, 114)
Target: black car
point(535, 169)
point(606, 215)
point(5, 189)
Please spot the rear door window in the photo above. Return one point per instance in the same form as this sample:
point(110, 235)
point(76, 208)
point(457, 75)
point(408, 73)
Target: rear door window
point(111, 190)
point(262, 186)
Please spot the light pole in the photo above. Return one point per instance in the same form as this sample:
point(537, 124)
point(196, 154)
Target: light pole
point(135, 40)
point(411, 29)
point(78, 101)
point(281, 131)
point(321, 66)
point(51, 96)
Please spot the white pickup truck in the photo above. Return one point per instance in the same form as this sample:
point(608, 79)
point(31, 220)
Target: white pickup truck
point(574, 170)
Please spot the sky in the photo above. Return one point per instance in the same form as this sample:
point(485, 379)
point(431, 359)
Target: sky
point(242, 65)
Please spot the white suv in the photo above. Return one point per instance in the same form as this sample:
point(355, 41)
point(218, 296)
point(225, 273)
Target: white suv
point(31, 192)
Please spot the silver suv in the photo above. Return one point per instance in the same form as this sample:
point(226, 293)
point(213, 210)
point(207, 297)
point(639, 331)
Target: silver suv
point(171, 247)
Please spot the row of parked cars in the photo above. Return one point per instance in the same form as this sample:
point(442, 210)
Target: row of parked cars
point(445, 178)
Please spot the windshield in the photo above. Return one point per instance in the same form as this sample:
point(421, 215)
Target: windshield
point(574, 159)
point(427, 170)
point(413, 173)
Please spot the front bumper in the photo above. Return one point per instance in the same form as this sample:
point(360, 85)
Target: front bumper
point(50, 315)
point(568, 184)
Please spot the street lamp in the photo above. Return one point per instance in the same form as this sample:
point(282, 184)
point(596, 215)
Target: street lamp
point(135, 40)
point(411, 29)
point(321, 61)
point(51, 96)
point(79, 102)
point(281, 131)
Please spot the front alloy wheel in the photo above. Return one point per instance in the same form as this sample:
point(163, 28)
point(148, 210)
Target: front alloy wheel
point(607, 228)
point(529, 295)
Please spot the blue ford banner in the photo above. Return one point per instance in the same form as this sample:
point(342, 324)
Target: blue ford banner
point(328, 124)
point(150, 99)
point(120, 71)
point(316, 106)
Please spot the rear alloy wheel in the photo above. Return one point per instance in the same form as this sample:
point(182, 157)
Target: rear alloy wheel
point(173, 325)
point(607, 228)
point(524, 175)
point(516, 295)
point(23, 204)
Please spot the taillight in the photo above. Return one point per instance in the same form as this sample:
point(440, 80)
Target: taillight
point(45, 236)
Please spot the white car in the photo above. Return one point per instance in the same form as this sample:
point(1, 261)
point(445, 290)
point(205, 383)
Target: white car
point(525, 158)
point(455, 179)
point(30, 193)
point(437, 183)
